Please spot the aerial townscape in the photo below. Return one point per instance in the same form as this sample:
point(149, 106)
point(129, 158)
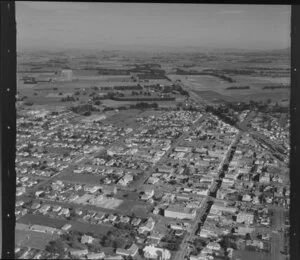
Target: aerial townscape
point(138, 155)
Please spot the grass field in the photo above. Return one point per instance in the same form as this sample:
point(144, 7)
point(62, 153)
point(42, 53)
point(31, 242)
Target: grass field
point(139, 208)
point(125, 118)
point(57, 95)
point(42, 220)
point(249, 255)
point(110, 203)
point(33, 239)
point(58, 223)
point(95, 117)
point(214, 89)
point(81, 178)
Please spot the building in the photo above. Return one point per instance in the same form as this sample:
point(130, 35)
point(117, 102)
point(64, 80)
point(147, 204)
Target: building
point(217, 208)
point(66, 227)
point(44, 229)
point(166, 169)
point(176, 211)
point(113, 257)
point(67, 75)
point(121, 251)
point(199, 257)
point(244, 217)
point(153, 252)
point(78, 252)
point(214, 246)
point(87, 239)
point(183, 149)
point(131, 251)
point(155, 235)
point(127, 178)
point(148, 226)
point(246, 197)
point(244, 230)
point(96, 256)
point(148, 194)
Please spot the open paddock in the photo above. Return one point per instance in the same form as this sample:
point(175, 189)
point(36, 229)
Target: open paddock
point(139, 208)
point(212, 88)
point(59, 223)
point(81, 178)
point(123, 118)
point(214, 96)
point(57, 95)
point(42, 220)
point(32, 239)
point(250, 255)
point(94, 117)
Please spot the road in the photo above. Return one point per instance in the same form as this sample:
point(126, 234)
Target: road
point(277, 236)
point(180, 254)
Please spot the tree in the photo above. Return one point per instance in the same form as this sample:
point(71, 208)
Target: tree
point(248, 237)
point(28, 103)
point(56, 247)
point(87, 113)
point(77, 245)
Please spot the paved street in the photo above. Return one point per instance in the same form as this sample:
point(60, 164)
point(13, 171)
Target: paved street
point(184, 246)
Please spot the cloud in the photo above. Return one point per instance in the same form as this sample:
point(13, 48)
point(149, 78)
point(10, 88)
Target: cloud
point(231, 12)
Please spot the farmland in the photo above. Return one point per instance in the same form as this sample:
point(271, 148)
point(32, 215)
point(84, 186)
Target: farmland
point(210, 88)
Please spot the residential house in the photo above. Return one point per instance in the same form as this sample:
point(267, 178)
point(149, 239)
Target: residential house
point(148, 226)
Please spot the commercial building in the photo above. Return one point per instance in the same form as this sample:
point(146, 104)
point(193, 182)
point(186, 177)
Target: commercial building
point(176, 211)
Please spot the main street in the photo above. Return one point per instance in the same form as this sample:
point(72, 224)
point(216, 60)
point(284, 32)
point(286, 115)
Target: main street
point(184, 245)
point(183, 251)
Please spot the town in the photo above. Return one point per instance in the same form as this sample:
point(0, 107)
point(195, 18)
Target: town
point(152, 131)
point(180, 183)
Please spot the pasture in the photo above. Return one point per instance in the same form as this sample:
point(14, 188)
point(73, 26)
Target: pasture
point(214, 89)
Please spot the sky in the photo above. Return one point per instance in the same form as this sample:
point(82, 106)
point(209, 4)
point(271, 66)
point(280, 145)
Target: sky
point(81, 25)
